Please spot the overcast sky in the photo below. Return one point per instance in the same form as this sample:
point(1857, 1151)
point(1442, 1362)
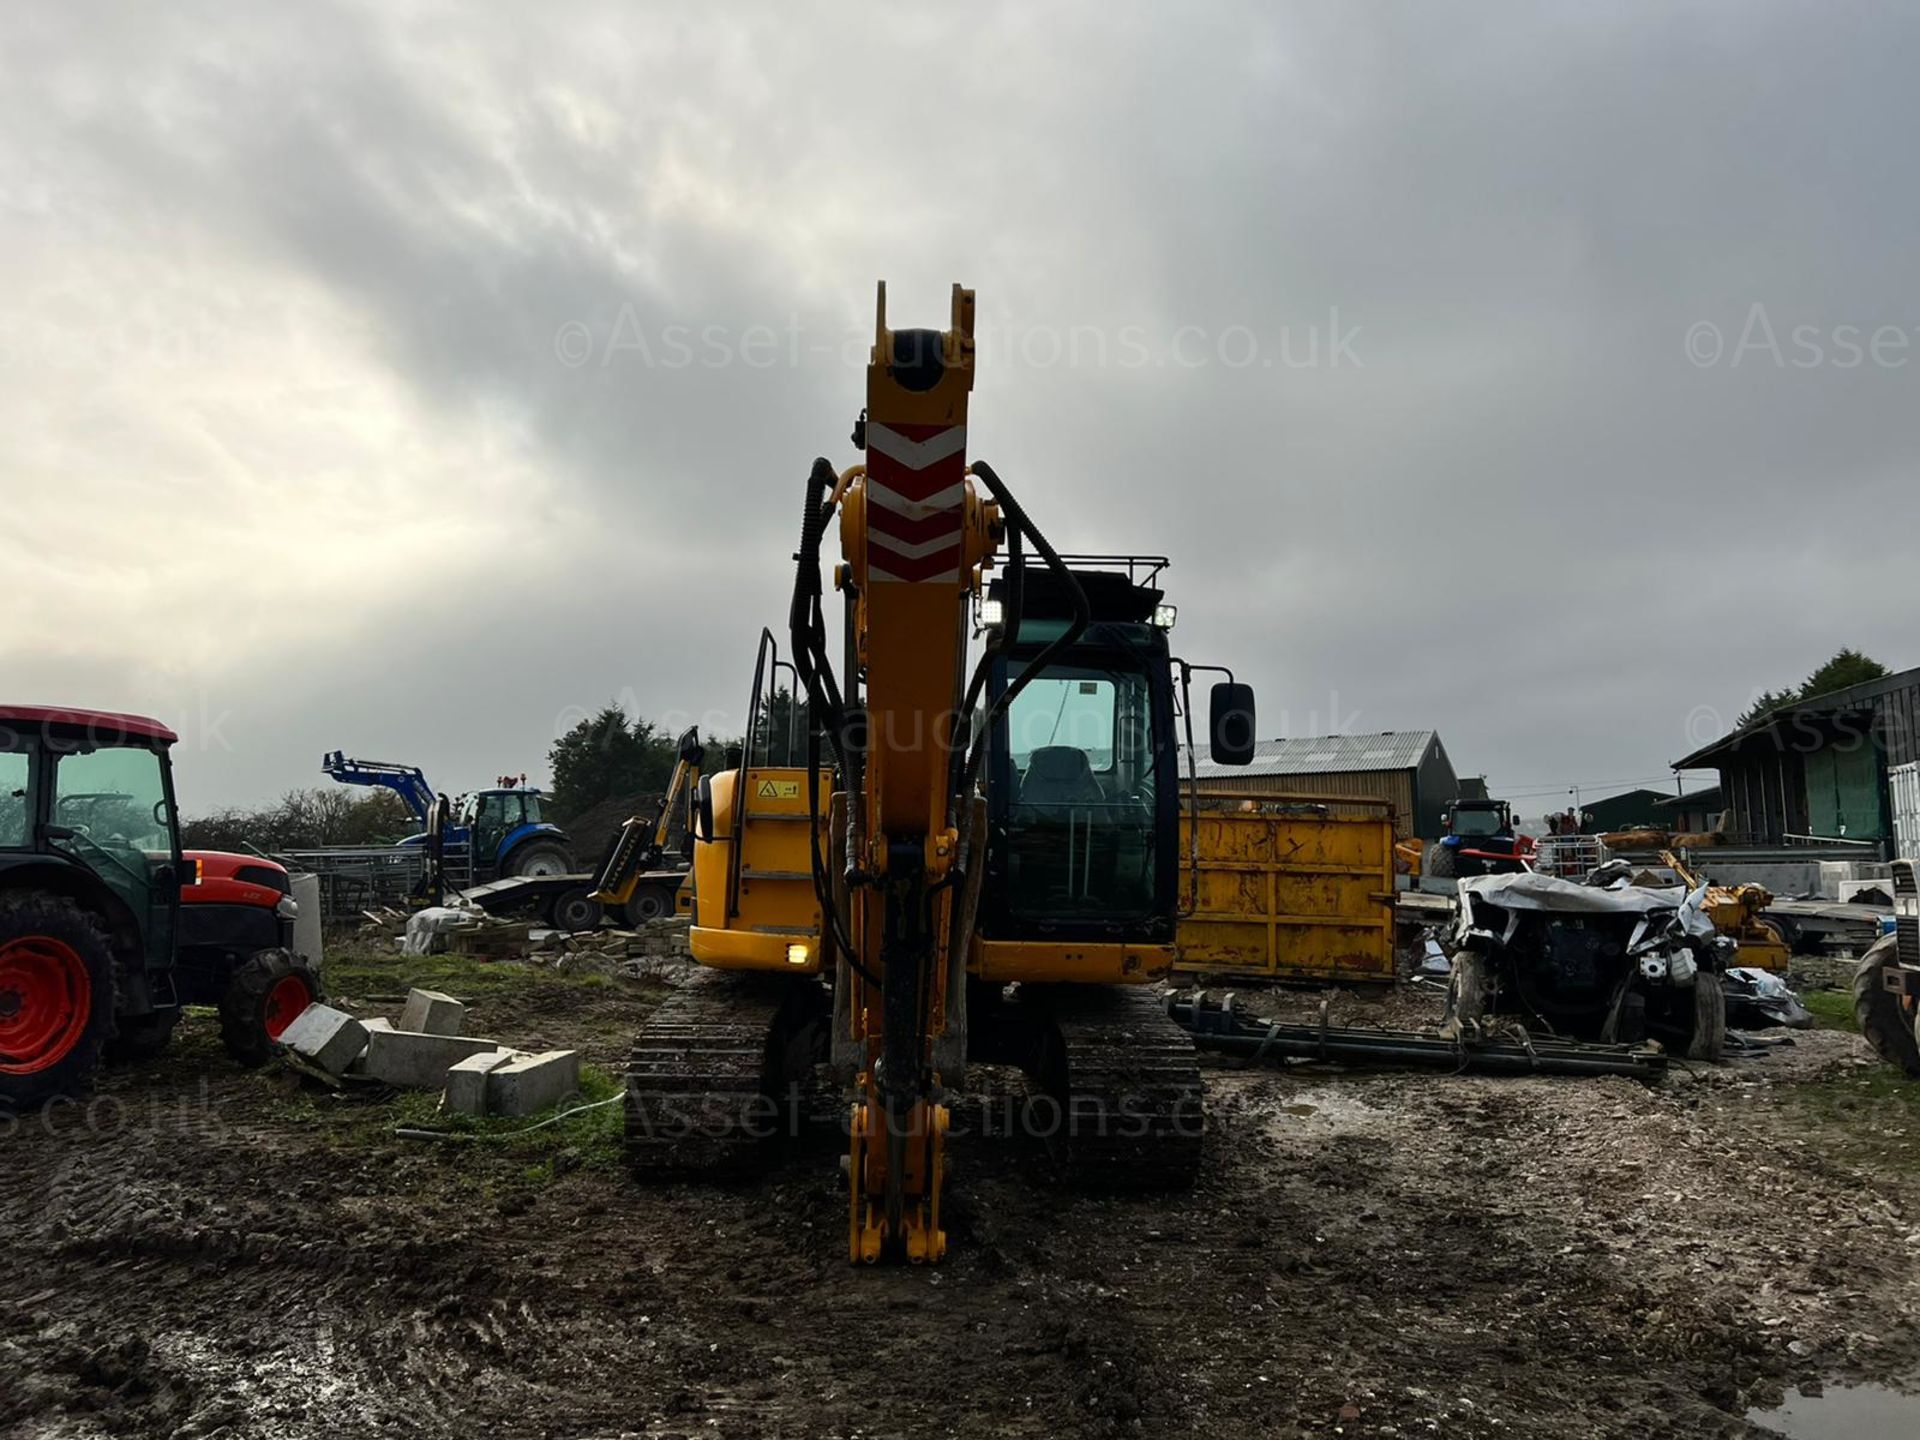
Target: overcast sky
point(357, 387)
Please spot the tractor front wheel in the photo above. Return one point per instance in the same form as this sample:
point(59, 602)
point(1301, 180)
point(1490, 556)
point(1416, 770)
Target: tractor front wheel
point(56, 999)
point(1886, 1019)
point(265, 996)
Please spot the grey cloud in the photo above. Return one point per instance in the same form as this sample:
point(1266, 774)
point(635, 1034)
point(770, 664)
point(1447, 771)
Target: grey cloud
point(1523, 516)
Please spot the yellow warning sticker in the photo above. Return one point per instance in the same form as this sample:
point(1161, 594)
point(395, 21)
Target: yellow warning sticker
point(778, 790)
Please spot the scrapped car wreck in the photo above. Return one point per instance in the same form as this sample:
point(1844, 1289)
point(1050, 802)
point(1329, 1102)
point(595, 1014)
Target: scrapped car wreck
point(1598, 960)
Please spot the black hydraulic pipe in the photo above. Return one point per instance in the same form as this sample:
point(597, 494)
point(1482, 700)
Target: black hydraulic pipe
point(1257, 1040)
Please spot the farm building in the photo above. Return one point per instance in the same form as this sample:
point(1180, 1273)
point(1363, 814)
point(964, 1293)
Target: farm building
point(1844, 766)
point(1692, 813)
point(1630, 810)
point(1407, 768)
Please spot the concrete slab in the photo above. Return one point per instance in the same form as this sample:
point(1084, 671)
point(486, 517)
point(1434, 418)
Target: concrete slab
point(532, 1083)
point(467, 1081)
point(419, 1062)
point(328, 1038)
point(428, 1012)
point(359, 1065)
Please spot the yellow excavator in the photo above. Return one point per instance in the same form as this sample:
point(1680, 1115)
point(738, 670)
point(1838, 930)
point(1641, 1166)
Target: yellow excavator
point(973, 866)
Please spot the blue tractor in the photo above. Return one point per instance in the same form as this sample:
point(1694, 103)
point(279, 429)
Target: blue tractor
point(492, 834)
point(1480, 840)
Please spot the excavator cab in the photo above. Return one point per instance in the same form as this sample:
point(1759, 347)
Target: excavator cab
point(1083, 775)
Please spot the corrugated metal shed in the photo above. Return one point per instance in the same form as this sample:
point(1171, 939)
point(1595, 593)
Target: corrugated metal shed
point(1330, 755)
point(1822, 766)
point(1408, 769)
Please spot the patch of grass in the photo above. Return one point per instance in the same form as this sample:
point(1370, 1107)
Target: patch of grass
point(361, 969)
point(593, 1135)
point(1873, 1114)
point(486, 1147)
point(1832, 1009)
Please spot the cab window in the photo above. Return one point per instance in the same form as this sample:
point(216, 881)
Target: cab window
point(1079, 818)
point(115, 797)
point(14, 816)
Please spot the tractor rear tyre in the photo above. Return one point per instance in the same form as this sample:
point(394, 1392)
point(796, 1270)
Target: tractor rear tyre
point(266, 994)
point(646, 904)
point(142, 1038)
point(1885, 1019)
point(1439, 862)
point(56, 999)
point(1709, 1037)
point(539, 857)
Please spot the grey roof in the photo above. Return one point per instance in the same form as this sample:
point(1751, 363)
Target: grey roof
point(1331, 754)
point(1693, 800)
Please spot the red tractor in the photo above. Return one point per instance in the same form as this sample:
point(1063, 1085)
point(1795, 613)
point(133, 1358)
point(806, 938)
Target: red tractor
point(108, 929)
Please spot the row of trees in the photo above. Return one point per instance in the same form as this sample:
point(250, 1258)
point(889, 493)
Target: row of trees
point(1847, 667)
point(611, 754)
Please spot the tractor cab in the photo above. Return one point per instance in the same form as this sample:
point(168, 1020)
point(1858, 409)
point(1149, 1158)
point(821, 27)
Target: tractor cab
point(1480, 818)
point(503, 832)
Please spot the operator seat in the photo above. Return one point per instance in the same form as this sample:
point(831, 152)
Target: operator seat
point(1060, 777)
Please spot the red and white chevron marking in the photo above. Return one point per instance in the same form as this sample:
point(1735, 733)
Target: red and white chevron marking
point(916, 501)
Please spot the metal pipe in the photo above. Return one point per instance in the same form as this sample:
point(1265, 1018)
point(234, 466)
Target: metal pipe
point(1223, 1032)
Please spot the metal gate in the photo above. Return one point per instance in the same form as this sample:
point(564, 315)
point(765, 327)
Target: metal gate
point(1903, 781)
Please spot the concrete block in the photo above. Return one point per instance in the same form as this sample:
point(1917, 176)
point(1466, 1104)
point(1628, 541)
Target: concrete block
point(528, 1084)
point(467, 1081)
point(419, 1062)
point(329, 1038)
point(428, 1012)
point(359, 1065)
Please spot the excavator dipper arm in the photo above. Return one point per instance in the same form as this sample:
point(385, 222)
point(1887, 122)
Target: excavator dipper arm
point(914, 537)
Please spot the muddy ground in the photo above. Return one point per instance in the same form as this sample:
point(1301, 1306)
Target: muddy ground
point(215, 1253)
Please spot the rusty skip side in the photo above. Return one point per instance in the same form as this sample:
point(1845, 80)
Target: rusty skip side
point(1290, 887)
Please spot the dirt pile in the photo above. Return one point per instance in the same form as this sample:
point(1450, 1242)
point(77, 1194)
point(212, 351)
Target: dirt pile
point(593, 829)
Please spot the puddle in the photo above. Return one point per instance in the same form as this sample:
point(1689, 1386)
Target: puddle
point(1301, 1109)
point(1844, 1412)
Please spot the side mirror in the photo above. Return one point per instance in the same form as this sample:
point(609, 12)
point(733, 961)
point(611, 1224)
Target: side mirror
point(703, 811)
point(1230, 723)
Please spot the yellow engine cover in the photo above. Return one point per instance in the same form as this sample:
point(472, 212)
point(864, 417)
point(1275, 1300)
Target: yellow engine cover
point(754, 903)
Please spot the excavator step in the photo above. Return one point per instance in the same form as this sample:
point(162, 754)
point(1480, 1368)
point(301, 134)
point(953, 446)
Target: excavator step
point(1133, 1099)
point(705, 1082)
